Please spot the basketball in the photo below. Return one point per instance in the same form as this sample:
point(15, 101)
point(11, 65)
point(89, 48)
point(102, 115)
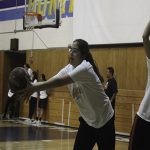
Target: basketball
point(18, 79)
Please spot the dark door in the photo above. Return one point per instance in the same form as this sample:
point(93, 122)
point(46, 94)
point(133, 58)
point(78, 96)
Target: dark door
point(12, 59)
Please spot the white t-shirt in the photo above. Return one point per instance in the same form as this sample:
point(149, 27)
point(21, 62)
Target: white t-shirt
point(43, 94)
point(88, 93)
point(144, 109)
point(30, 72)
point(10, 94)
point(35, 94)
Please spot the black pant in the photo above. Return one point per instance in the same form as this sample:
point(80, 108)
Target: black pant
point(17, 109)
point(32, 106)
point(87, 136)
point(140, 135)
point(9, 107)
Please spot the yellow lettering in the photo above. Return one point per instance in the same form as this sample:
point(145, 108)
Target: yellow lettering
point(41, 9)
point(71, 6)
point(52, 7)
point(31, 6)
point(41, 6)
point(63, 6)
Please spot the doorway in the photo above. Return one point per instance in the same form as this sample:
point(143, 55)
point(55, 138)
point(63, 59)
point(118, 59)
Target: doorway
point(12, 59)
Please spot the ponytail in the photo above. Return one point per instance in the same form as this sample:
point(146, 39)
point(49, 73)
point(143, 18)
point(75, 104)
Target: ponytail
point(90, 59)
point(84, 49)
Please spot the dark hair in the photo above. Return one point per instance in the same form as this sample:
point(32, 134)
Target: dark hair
point(35, 76)
point(85, 52)
point(43, 77)
point(27, 65)
point(111, 70)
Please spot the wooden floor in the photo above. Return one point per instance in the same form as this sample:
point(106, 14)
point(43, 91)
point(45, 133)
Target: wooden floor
point(17, 136)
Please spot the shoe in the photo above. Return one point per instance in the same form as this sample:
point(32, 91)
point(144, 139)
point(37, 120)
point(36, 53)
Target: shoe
point(28, 122)
point(34, 122)
point(38, 123)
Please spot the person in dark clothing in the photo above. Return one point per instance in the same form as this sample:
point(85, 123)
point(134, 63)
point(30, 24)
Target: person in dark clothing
point(111, 88)
point(17, 109)
point(9, 108)
point(32, 101)
point(42, 104)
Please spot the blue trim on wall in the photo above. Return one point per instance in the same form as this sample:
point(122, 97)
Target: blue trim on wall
point(11, 14)
point(17, 13)
point(11, 3)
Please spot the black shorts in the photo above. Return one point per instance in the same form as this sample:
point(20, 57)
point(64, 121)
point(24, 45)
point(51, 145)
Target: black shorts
point(140, 135)
point(43, 103)
point(88, 136)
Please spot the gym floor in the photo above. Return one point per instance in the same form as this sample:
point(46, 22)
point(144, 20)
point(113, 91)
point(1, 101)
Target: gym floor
point(14, 135)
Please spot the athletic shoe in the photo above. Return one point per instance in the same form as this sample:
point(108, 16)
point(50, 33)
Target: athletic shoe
point(28, 122)
point(34, 122)
point(37, 124)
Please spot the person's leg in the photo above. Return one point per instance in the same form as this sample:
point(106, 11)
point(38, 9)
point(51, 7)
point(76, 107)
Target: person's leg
point(140, 135)
point(17, 109)
point(38, 118)
point(105, 136)
point(85, 139)
point(42, 107)
point(41, 110)
point(12, 107)
point(6, 107)
point(32, 106)
point(38, 113)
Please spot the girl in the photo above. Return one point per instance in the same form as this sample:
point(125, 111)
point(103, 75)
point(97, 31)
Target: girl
point(32, 100)
point(83, 79)
point(139, 139)
point(42, 104)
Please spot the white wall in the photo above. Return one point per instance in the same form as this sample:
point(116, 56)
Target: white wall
point(41, 38)
point(97, 21)
point(52, 37)
point(110, 21)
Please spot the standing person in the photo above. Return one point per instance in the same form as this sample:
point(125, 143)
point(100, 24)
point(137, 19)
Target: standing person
point(29, 70)
point(32, 100)
point(111, 88)
point(140, 134)
point(97, 115)
point(42, 104)
point(9, 105)
point(17, 109)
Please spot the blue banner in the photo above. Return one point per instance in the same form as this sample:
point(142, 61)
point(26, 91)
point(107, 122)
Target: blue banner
point(11, 14)
point(11, 3)
point(14, 12)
